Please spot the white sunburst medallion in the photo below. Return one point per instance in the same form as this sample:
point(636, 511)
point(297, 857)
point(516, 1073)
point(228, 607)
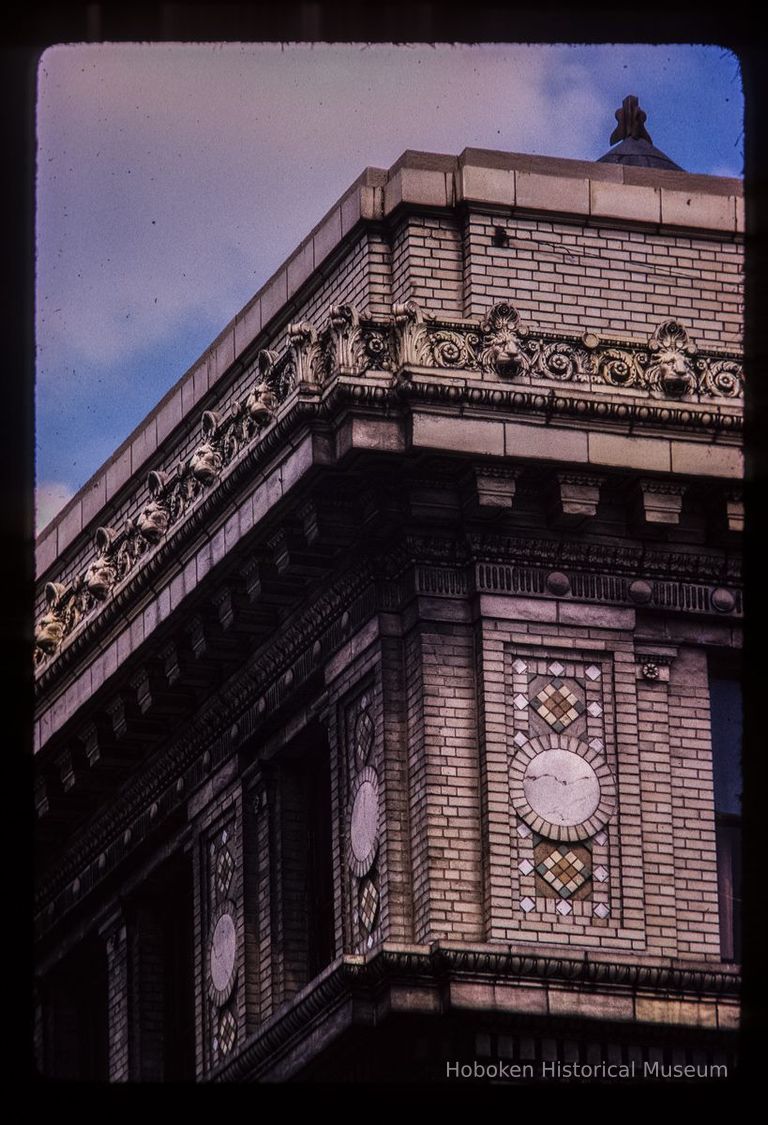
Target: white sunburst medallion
point(562, 788)
point(222, 954)
point(364, 822)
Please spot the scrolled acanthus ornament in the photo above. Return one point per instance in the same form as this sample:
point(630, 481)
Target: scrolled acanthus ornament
point(411, 338)
point(452, 349)
point(346, 353)
point(305, 360)
point(378, 353)
point(619, 368)
point(721, 378)
point(561, 361)
point(502, 349)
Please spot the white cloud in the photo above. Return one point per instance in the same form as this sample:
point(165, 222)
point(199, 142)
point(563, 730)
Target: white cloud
point(173, 179)
point(50, 498)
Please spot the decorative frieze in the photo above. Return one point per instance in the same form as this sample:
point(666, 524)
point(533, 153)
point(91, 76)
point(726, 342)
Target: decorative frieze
point(500, 348)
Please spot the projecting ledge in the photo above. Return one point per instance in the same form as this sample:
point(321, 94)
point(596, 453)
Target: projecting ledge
point(383, 434)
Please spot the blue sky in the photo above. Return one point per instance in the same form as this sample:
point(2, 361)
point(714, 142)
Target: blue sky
point(173, 179)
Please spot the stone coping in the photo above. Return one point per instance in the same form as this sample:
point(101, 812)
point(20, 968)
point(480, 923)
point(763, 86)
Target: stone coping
point(581, 190)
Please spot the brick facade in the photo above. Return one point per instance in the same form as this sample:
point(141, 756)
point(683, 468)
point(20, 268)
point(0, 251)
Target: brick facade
point(287, 761)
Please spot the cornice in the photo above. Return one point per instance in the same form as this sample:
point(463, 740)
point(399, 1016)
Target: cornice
point(496, 364)
point(354, 977)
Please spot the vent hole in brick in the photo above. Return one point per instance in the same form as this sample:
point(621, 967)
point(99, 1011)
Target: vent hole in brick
point(500, 237)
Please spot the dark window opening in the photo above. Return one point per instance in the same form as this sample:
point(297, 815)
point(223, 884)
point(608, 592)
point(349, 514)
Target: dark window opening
point(306, 867)
point(726, 717)
point(163, 975)
point(76, 1016)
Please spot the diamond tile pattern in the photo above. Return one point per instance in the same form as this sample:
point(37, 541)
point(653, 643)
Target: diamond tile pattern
point(601, 910)
point(556, 669)
point(593, 672)
point(520, 739)
point(563, 907)
point(227, 1033)
point(564, 871)
point(364, 735)
point(527, 904)
point(520, 666)
point(520, 702)
point(597, 744)
point(595, 709)
point(225, 865)
point(601, 873)
point(369, 904)
point(557, 705)
point(526, 867)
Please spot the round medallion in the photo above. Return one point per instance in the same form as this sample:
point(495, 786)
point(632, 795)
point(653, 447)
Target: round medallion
point(723, 600)
point(640, 591)
point(222, 954)
point(364, 822)
point(562, 788)
point(558, 583)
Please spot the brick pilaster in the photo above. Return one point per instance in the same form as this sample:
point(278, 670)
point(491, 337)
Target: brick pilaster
point(114, 931)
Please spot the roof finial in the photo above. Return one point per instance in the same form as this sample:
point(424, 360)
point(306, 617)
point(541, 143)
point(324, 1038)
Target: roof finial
point(631, 122)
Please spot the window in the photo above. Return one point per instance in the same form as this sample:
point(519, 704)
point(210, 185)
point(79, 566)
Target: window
point(305, 859)
point(163, 975)
point(726, 713)
point(76, 1046)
